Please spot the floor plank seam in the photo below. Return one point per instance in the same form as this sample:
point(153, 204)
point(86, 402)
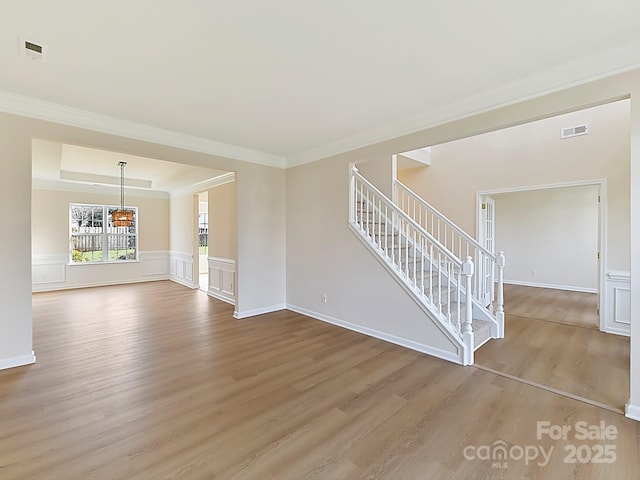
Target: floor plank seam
point(556, 322)
point(550, 389)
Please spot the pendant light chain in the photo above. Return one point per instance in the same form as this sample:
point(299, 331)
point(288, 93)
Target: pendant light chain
point(122, 217)
point(122, 164)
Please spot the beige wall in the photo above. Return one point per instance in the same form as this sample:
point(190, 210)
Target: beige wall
point(222, 221)
point(534, 154)
point(379, 171)
point(325, 257)
point(182, 220)
point(50, 219)
point(550, 237)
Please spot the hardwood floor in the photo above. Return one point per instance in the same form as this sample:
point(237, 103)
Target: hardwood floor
point(156, 381)
point(540, 346)
point(560, 306)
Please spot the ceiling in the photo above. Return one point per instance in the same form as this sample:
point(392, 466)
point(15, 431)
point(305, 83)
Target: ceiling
point(286, 82)
point(80, 167)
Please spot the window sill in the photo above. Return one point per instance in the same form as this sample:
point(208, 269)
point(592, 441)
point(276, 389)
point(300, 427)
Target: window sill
point(73, 264)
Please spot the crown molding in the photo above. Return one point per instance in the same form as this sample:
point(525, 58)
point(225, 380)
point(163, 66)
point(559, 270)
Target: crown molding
point(53, 112)
point(103, 179)
point(587, 69)
point(602, 65)
point(205, 185)
point(41, 184)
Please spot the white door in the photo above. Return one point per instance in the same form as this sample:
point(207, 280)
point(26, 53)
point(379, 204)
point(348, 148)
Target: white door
point(487, 239)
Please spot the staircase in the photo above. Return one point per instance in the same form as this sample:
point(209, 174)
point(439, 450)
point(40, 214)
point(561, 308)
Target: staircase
point(445, 270)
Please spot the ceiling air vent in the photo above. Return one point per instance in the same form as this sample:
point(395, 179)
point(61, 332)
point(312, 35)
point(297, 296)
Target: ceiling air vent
point(574, 131)
point(33, 50)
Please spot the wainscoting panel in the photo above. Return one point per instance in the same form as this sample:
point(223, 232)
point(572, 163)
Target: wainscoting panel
point(618, 303)
point(155, 263)
point(222, 279)
point(181, 269)
point(48, 269)
point(53, 272)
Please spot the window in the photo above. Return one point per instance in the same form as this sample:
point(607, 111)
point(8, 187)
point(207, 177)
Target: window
point(93, 239)
point(203, 232)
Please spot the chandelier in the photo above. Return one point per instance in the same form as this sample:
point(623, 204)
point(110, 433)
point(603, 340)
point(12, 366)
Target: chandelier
point(122, 217)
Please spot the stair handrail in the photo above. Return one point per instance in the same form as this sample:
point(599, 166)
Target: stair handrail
point(418, 260)
point(398, 211)
point(485, 275)
point(398, 184)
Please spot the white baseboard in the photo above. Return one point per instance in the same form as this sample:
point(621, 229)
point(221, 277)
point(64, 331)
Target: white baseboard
point(403, 342)
point(186, 283)
point(149, 278)
point(258, 311)
point(550, 285)
point(224, 298)
point(632, 411)
point(616, 331)
point(18, 361)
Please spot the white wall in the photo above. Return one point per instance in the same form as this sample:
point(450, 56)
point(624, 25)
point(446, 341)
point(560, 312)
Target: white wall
point(553, 232)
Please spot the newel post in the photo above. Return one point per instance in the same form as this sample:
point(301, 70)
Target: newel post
point(467, 327)
point(500, 262)
point(352, 193)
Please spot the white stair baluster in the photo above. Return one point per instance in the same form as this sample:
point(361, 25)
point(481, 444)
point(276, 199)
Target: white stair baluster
point(500, 296)
point(431, 271)
point(415, 255)
point(422, 266)
point(407, 247)
point(467, 325)
point(420, 230)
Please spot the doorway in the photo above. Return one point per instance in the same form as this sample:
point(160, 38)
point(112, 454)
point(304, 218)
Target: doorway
point(552, 236)
point(203, 241)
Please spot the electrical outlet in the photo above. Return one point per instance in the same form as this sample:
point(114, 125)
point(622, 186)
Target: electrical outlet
point(323, 297)
point(534, 272)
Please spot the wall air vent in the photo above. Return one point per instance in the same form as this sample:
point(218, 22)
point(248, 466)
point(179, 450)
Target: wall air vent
point(33, 50)
point(574, 131)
